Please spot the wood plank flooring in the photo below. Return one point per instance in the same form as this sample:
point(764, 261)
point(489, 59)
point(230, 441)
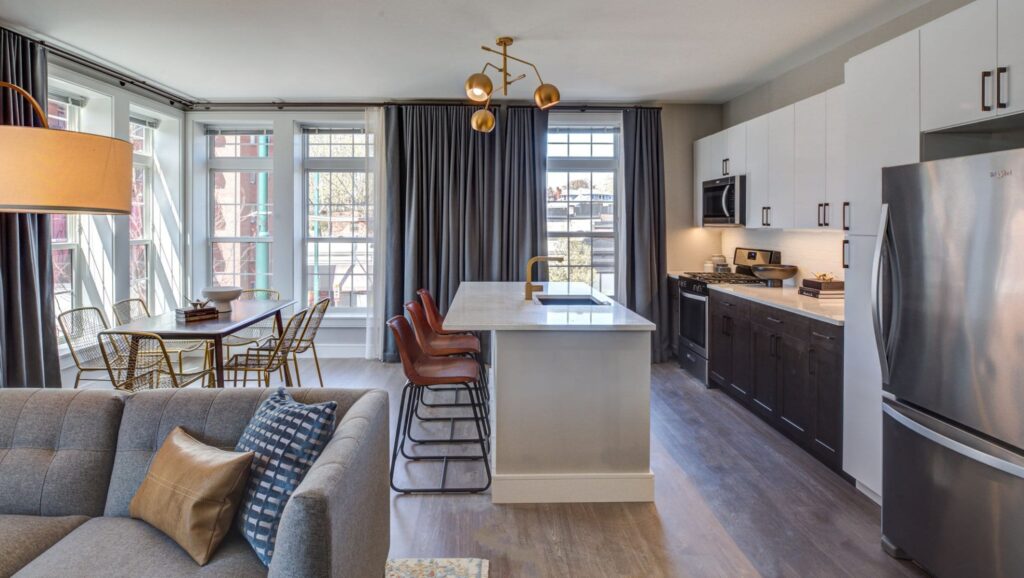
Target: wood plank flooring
point(733, 498)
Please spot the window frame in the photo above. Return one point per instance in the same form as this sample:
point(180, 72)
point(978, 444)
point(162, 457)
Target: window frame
point(310, 164)
point(72, 119)
point(586, 122)
point(241, 164)
point(144, 161)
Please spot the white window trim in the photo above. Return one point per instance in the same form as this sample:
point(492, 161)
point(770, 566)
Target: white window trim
point(582, 120)
point(335, 316)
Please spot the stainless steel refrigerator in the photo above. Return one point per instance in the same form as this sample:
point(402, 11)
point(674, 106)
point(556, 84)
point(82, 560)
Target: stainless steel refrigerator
point(948, 301)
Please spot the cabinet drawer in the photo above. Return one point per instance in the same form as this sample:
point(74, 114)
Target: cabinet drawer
point(825, 336)
point(780, 321)
point(734, 307)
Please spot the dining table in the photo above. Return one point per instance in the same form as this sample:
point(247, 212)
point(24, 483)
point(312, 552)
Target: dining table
point(243, 314)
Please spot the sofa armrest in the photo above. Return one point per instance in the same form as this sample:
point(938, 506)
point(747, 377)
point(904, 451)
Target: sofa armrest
point(338, 521)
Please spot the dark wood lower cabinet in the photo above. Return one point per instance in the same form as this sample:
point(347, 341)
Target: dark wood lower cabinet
point(786, 368)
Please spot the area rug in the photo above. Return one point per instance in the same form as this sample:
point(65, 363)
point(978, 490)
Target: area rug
point(437, 568)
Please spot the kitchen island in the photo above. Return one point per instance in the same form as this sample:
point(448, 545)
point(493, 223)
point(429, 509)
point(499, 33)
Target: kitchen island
point(571, 393)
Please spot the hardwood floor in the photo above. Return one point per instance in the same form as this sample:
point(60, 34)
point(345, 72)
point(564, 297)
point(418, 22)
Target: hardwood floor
point(733, 498)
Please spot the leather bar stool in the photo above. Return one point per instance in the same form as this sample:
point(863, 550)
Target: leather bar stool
point(448, 346)
point(421, 371)
point(436, 321)
point(434, 316)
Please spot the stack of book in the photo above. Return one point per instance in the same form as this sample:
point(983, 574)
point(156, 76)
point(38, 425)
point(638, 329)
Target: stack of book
point(201, 314)
point(822, 289)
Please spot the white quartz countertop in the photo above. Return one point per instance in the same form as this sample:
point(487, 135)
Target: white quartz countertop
point(495, 306)
point(788, 299)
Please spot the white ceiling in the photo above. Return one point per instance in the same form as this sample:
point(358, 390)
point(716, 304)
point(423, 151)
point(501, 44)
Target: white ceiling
point(594, 50)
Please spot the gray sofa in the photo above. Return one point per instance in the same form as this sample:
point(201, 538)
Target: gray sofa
point(71, 460)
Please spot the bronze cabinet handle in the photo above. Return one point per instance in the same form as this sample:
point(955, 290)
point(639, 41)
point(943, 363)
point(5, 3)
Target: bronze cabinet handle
point(985, 75)
point(1002, 70)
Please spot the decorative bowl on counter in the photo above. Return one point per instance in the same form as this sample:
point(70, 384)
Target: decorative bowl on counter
point(221, 297)
point(774, 274)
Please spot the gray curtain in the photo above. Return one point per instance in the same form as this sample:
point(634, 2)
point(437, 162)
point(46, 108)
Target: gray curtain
point(519, 218)
point(462, 205)
point(28, 340)
point(644, 263)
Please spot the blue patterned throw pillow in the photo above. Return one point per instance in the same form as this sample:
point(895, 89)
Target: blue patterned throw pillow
point(287, 438)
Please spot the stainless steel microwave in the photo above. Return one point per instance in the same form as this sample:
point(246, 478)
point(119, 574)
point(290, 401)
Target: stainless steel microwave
point(725, 202)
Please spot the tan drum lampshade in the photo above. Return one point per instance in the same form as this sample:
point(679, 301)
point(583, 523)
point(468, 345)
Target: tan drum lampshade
point(55, 171)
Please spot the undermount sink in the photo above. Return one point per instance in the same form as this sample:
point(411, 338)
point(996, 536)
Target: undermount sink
point(568, 300)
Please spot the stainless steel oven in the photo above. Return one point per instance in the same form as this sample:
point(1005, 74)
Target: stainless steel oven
point(693, 327)
point(725, 202)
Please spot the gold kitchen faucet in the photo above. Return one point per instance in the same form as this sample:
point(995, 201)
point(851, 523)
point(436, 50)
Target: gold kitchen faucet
point(532, 287)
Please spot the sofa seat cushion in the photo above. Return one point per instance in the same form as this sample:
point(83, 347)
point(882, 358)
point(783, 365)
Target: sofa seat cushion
point(114, 546)
point(22, 538)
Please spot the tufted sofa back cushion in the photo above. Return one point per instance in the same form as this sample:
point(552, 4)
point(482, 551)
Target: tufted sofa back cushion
point(215, 417)
point(57, 450)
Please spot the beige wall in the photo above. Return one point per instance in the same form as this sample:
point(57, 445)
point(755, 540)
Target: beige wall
point(826, 71)
point(687, 246)
point(811, 251)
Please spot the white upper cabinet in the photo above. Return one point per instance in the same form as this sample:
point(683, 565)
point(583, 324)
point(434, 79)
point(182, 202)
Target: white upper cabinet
point(1011, 57)
point(781, 134)
point(735, 161)
point(810, 192)
point(958, 64)
point(757, 172)
point(703, 152)
point(883, 124)
point(835, 210)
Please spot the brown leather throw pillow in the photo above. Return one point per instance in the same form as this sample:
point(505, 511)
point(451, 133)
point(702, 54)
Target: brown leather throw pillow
point(191, 493)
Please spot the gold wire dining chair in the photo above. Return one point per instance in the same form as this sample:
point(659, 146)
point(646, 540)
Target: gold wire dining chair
point(81, 328)
point(258, 333)
point(307, 339)
point(138, 361)
point(129, 310)
point(267, 361)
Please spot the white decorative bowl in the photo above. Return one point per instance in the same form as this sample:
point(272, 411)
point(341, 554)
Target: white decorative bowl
point(221, 297)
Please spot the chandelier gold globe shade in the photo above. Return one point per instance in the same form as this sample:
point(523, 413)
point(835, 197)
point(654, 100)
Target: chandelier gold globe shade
point(479, 87)
point(482, 120)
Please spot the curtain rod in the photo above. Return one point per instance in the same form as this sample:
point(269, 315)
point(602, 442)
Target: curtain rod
point(122, 78)
point(282, 105)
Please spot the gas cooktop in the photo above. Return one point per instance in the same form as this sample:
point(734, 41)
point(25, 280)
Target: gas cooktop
point(717, 278)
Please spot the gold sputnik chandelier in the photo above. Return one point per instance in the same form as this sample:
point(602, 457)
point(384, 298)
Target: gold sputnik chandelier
point(479, 87)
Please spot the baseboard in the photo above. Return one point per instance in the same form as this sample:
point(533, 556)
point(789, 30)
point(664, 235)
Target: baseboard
point(565, 488)
point(337, 351)
point(875, 497)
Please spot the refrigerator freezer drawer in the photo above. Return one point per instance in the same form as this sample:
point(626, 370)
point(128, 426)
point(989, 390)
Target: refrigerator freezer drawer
point(953, 502)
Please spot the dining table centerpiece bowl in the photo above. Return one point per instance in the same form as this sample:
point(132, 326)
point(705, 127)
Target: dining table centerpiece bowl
point(221, 297)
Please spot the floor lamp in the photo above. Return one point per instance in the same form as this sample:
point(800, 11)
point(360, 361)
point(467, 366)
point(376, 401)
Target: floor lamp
point(43, 170)
point(54, 171)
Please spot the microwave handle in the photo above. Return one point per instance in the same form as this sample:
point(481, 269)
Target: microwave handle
point(725, 208)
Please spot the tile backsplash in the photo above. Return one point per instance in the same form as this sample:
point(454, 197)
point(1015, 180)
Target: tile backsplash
point(811, 251)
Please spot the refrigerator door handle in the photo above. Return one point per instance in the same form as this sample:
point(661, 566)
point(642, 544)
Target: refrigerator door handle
point(876, 286)
point(951, 444)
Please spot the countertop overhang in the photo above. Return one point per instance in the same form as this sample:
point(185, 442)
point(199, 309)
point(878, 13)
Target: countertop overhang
point(789, 299)
point(500, 306)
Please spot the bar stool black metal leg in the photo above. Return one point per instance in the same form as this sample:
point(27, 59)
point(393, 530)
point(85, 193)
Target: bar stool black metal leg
point(406, 410)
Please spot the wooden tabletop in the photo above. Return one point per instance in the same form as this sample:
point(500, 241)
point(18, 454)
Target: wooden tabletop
point(243, 314)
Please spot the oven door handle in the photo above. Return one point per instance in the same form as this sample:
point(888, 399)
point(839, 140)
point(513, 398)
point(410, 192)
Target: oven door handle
point(695, 297)
point(725, 208)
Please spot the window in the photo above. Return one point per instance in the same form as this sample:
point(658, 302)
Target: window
point(582, 174)
point(140, 220)
point(63, 114)
point(339, 216)
point(240, 199)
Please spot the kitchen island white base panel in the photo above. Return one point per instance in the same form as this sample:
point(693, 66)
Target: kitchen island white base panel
point(564, 488)
point(571, 413)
